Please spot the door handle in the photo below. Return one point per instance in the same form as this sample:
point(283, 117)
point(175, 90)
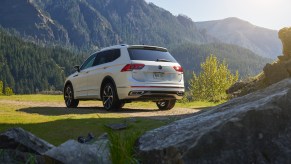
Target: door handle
point(105, 67)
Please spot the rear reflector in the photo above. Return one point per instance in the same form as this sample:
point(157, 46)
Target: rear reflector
point(178, 68)
point(130, 67)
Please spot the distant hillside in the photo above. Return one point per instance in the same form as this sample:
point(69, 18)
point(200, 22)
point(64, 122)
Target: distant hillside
point(245, 61)
point(260, 40)
point(29, 68)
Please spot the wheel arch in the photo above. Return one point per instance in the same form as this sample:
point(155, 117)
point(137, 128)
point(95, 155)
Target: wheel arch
point(105, 80)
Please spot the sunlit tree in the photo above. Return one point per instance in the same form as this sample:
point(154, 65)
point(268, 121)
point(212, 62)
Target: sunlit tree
point(8, 91)
point(212, 82)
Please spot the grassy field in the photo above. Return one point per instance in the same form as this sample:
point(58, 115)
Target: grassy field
point(46, 117)
point(57, 124)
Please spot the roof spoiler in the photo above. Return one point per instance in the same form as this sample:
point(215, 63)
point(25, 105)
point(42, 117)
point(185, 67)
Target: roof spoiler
point(147, 47)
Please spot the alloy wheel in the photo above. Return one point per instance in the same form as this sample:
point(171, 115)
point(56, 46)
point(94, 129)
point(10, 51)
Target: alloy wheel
point(68, 96)
point(161, 103)
point(107, 97)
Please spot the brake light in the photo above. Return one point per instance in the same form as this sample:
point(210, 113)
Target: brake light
point(130, 67)
point(178, 68)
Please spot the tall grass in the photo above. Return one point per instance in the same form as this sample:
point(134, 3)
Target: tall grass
point(122, 146)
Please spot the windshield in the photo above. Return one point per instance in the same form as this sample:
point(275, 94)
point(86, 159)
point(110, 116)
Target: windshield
point(150, 55)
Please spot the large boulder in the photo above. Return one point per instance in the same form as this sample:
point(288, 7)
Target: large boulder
point(285, 36)
point(255, 128)
point(20, 146)
point(75, 152)
point(275, 72)
point(23, 141)
point(14, 156)
point(280, 69)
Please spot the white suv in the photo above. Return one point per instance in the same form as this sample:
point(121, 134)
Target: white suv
point(125, 73)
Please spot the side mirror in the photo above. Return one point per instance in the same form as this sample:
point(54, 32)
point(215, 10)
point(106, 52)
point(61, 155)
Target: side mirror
point(77, 68)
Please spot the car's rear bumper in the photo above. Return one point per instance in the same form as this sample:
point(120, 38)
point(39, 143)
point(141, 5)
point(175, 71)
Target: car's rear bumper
point(150, 92)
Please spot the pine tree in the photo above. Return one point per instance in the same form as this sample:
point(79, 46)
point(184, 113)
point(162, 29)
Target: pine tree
point(1, 88)
point(213, 80)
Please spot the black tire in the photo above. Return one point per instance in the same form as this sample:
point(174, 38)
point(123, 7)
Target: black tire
point(69, 97)
point(110, 98)
point(120, 105)
point(166, 104)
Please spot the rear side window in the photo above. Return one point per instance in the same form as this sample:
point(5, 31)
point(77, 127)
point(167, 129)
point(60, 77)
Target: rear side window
point(150, 55)
point(106, 56)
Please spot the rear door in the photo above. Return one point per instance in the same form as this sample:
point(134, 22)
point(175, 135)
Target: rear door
point(159, 66)
point(101, 67)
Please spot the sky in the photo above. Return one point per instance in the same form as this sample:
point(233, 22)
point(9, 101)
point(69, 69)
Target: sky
point(272, 14)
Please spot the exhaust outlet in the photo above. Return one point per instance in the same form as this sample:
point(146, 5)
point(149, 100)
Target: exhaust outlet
point(136, 93)
point(180, 93)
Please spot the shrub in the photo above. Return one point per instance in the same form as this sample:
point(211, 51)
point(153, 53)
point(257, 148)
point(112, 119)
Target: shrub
point(212, 82)
point(8, 91)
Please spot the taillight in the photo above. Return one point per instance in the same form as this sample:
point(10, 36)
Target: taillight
point(178, 68)
point(130, 67)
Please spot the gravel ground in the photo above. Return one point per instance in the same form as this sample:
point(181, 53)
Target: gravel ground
point(96, 107)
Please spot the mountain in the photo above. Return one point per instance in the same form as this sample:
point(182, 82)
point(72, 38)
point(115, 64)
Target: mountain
point(94, 24)
point(262, 41)
point(25, 18)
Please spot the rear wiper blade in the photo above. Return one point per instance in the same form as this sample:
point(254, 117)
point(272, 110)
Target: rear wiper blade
point(163, 60)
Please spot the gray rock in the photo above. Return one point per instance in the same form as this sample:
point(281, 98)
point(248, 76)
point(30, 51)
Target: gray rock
point(117, 126)
point(285, 36)
point(15, 156)
point(21, 140)
point(75, 152)
point(236, 86)
point(275, 72)
point(283, 58)
point(255, 128)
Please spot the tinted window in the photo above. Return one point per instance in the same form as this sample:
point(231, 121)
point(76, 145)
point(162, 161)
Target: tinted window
point(89, 62)
point(107, 56)
point(150, 55)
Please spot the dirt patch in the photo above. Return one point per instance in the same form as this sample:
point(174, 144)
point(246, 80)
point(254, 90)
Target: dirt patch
point(96, 107)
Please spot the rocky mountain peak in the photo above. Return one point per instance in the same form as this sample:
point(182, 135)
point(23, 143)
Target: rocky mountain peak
point(262, 41)
point(28, 20)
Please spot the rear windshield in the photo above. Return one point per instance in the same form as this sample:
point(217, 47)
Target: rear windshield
point(150, 55)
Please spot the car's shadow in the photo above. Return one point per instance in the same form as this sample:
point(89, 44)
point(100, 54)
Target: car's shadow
point(57, 111)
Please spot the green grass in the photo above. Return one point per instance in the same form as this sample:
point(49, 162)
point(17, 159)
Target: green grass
point(122, 146)
point(45, 116)
point(34, 98)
